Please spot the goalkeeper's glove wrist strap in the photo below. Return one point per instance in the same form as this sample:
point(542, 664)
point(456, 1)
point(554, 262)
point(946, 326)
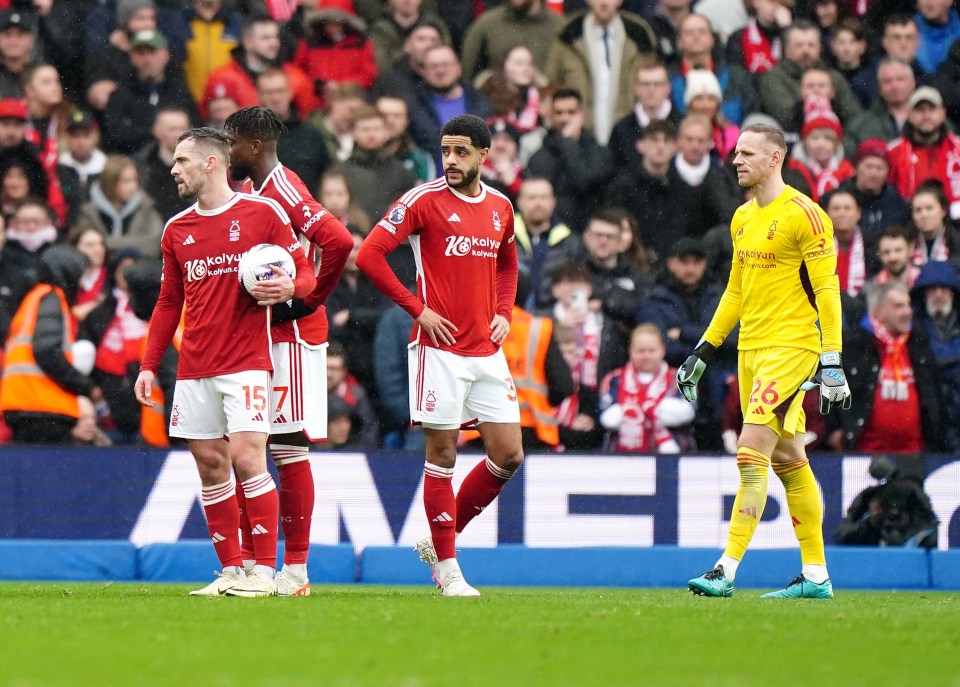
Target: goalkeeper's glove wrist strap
point(705, 351)
point(831, 359)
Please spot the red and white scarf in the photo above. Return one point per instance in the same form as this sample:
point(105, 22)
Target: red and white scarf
point(938, 253)
point(589, 336)
point(896, 372)
point(759, 53)
point(856, 264)
point(909, 277)
point(640, 430)
point(526, 120)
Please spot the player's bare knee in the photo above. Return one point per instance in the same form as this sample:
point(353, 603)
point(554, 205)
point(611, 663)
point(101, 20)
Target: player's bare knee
point(213, 463)
point(509, 459)
point(759, 438)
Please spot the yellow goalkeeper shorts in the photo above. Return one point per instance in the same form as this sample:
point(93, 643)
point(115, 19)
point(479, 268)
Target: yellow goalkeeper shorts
point(770, 380)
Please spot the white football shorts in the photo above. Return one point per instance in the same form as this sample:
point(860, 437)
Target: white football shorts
point(451, 391)
point(299, 390)
point(214, 407)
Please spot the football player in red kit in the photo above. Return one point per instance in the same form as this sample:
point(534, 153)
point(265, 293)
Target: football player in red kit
point(298, 410)
point(461, 233)
point(223, 379)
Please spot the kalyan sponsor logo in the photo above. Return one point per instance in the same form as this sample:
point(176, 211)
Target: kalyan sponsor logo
point(212, 265)
point(466, 245)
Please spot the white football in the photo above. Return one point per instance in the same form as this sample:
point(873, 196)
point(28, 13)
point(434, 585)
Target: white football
point(255, 264)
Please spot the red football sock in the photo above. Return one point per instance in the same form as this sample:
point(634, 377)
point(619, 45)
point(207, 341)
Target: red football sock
point(263, 511)
point(441, 507)
point(223, 519)
point(482, 485)
point(296, 502)
point(246, 539)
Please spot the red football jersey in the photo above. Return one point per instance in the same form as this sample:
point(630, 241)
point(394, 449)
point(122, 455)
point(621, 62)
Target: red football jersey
point(463, 246)
point(225, 331)
point(317, 229)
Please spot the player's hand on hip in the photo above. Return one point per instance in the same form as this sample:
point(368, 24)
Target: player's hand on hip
point(273, 291)
point(439, 329)
point(144, 387)
point(499, 328)
point(830, 377)
point(689, 374)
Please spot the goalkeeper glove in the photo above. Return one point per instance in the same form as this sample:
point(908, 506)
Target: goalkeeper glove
point(834, 389)
point(692, 369)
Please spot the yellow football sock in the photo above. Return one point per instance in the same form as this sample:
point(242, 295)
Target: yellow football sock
point(751, 498)
point(806, 508)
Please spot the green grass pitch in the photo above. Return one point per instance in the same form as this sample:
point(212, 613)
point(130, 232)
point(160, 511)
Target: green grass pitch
point(76, 634)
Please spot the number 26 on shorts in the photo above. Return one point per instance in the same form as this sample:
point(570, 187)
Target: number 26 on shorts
point(768, 396)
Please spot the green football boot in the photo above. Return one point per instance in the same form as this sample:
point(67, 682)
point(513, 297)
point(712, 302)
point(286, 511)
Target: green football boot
point(802, 588)
point(713, 583)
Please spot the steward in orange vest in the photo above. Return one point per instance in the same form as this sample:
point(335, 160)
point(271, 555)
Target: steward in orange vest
point(38, 396)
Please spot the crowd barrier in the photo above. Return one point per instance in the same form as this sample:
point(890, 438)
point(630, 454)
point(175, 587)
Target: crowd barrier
point(565, 519)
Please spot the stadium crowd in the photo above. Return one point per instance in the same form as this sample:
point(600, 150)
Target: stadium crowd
point(614, 123)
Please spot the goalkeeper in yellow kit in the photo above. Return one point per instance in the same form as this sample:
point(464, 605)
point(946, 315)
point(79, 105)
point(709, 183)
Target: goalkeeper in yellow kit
point(782, 281)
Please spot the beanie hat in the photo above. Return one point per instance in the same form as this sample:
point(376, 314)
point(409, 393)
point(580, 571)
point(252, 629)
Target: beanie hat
point(127, 8)
point(701, 82)
point(873, 147)
point(817, 114)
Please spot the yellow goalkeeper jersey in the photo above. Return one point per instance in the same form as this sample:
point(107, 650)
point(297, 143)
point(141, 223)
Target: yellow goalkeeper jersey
point(783, 278)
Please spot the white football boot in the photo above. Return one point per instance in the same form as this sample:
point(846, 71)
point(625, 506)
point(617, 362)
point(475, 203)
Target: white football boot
point(288, 586)
point(255, 585)
point(225, 581)
point(451, 580)
point(428, 555)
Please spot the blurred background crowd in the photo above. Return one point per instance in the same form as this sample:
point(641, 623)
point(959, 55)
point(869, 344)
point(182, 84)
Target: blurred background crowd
point(614, 124)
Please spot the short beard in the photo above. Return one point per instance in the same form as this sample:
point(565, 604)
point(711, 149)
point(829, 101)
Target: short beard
point(466, 180)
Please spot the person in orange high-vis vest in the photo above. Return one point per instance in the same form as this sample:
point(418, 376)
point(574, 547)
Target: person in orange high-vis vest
point(40, 389)
point(538, 371)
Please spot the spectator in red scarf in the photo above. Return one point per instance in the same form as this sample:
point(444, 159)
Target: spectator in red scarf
point(937, 238)
point(893, 251)
point(819, 156)
point(927, 149)
point(844, 210)
point(117, 333)
point(758, 46)
point(640, 406)
point(896, 402)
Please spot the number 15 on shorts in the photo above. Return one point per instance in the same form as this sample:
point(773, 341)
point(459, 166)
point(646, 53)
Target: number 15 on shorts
point(255, 397)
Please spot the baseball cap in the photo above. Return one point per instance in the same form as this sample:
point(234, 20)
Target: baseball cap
point(80, 119)
point(687, 246)
point(13, 18)
point(12, 108)
point(926, 94)
point(873, 147)
point(148, 38)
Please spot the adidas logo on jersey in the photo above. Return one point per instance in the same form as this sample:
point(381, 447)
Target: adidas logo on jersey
point(258, 417)
point(443, 517)
point(758, 411)
point(217, 538)
point(189, 241)
point(453, 218)
point(259, 529)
